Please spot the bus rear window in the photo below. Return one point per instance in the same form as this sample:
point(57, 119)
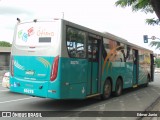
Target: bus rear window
point(37, 34)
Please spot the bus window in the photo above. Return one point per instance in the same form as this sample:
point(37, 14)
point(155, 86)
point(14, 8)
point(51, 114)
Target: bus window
point(76, 43)
point(93, 49)
point(39, 34)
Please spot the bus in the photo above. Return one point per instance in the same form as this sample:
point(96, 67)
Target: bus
point(58, 59)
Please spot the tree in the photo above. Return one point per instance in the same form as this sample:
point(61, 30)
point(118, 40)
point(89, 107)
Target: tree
point(147, 6)
point(5, 44)
point(156, 44)
point(156, 7)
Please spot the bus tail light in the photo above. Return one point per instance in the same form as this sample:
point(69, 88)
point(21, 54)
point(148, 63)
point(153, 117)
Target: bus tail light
point(54, 70)
point(12, 66)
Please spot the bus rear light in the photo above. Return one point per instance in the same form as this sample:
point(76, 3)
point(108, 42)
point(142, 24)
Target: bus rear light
point(12, 66)
point(54, 70)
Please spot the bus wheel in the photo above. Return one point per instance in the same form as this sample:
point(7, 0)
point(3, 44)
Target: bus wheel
point(119, 87)
point(107, 88)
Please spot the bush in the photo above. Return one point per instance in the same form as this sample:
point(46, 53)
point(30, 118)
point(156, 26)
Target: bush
point(157, 62)
point(5, 44)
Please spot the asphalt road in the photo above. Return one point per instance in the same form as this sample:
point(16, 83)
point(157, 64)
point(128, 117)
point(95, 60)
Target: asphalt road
point(138, 99)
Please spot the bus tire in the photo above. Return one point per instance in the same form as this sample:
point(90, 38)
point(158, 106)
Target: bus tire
point(107, 89)
point(119, 87)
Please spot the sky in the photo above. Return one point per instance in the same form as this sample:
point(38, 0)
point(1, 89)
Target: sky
point(100, 15)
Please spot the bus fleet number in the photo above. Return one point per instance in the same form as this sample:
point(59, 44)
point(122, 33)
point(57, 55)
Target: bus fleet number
point(28, 91)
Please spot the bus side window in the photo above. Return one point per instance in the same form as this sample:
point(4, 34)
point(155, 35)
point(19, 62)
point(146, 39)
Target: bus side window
point(93, 50)
point(89, 52)
point(76, 43)
point(95, 53)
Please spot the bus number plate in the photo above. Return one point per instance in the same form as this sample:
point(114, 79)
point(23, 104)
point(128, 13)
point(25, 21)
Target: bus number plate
point(28, 91)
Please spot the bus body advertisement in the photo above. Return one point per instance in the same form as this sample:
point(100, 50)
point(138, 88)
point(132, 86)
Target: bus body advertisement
point(62, 60)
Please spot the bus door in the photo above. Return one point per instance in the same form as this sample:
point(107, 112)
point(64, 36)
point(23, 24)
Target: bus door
point(94, 53)
point(135, 67)
point(152, 67)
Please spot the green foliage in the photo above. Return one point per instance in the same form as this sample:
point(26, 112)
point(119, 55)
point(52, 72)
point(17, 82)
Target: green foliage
point(125, 3)
point(153, 21)
point(157, 62)
point(5, 44)
point(139, 5)
point(143, 5)
point(156, 44)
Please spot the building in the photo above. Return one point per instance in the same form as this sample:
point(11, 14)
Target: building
point(157, 55)
point(5, 58)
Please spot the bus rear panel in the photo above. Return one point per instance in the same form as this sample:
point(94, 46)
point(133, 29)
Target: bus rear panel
point(36, 59)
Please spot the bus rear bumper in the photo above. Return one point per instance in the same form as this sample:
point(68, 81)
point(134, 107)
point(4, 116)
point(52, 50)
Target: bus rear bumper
point(48, 89)
point(32, 88)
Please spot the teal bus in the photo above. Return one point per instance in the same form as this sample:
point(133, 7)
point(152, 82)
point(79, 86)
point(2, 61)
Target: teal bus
point(58, 59)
